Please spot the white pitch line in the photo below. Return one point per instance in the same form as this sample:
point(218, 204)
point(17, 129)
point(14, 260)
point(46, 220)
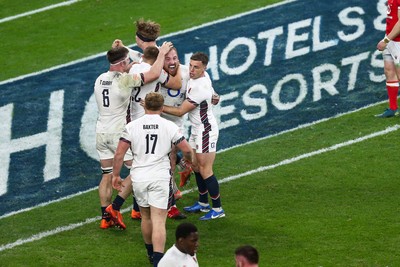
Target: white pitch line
point(224, 180)
point(67, 3)
point(219, 151)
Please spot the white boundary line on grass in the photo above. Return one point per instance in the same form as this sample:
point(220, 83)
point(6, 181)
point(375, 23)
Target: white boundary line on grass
point(66, 3)
point(224, 180)
point(219, 151)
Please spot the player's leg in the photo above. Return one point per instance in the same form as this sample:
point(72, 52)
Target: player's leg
point(392, 85)
point(205, 162)
point(105, 192)
point(205, 155)
point(146, 228)
point(105, 189)
point(202, 204)
point(141, 192)
point(173, 211)
point(158, 197)
point(159, 235)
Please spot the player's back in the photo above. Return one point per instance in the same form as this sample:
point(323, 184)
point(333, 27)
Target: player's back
point(151, 139)
point(139, 93)
point(112, 103)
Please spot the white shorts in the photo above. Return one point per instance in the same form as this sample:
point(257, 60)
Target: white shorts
point(203, 141)
point(106, 145)
point(152, 193)
point(386, 55)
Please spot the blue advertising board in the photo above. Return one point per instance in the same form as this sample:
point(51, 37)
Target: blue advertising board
point(275, 68)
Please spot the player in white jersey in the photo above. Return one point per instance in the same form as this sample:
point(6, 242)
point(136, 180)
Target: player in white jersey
point(136, 111)
point(146, 35)
point(203, 136)
point(175, 98)
point(112, 101)
point(140, 92)
point(150, 138)
point(183, 252)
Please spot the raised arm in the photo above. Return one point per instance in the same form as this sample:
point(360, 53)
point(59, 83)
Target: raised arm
point(156, 68)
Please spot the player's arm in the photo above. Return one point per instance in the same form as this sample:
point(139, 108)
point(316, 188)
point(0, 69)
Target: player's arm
point(393, 34)
point(215, 97)
point(133, 54)
point(158, 65)
point(186, 150)
point(122, 148)
point(137, 80)
point(184, 108)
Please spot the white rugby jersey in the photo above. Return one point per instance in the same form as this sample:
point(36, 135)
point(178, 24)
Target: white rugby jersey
point(140, 92)
point(112, 102)
point(175, 258)
point(151, 138)
point(199, 92)
point(134, 55)
point(175, 98)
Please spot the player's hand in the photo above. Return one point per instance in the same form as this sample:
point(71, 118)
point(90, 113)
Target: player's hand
point(166, 46)
point(381, 45)
point(117, 43)
point(117, 183)
point(215, 99)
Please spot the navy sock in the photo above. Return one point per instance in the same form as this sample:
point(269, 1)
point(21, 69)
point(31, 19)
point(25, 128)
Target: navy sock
point(157, 257)
point(149, 248)
point(178, 157)
point(104, 214)
point(171, 198)
point(202, 187)
point(213, 189)
point(118, 202)
point(135, 205)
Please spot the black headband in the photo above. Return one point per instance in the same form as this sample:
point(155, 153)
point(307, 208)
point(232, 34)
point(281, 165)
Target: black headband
point(144, 39)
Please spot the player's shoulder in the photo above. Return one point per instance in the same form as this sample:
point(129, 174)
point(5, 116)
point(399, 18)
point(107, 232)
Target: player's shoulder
point(139, 67)
point(103, 75)
point(135, 55)
point(201, 82)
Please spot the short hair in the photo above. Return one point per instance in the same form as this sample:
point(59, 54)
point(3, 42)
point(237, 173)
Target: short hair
point(116, 54)
point(200, 56)
point(154, 101)
point(184, 230)
point(249, 252)
point(150, 53)
point(147, 30)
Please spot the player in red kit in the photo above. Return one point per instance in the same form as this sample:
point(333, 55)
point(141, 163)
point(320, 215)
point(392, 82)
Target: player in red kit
point(390, 47)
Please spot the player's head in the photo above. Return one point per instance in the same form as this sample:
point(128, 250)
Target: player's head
point(246, 256)
point(117, 54)
point(154, 102)
point(150, 54)
point(118, 57)
point(146, 31)
point(187, 238)
point(171, 61)
point(198, 65)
